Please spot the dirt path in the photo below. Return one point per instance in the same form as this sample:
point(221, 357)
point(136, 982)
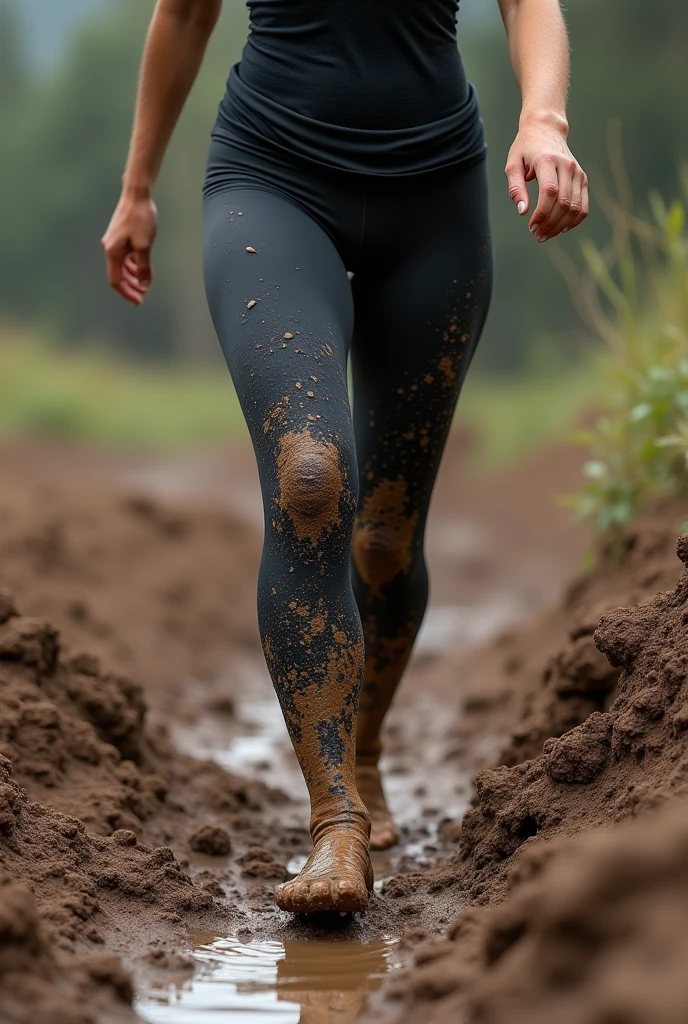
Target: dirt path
point(152, 567)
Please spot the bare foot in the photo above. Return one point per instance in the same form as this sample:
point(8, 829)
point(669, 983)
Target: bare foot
point(383, 833)
point(338, 876)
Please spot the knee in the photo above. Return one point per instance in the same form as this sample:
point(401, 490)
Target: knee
point(382, 551)
point(312, 486)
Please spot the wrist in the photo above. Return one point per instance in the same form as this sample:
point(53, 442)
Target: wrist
point(136, 188)
point(549, 118)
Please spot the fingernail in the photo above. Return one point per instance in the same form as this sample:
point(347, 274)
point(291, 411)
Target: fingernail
point(521, 207)
point(541, 238)
point(533, 229)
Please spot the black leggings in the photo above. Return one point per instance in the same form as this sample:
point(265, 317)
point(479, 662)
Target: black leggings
point(345, 495)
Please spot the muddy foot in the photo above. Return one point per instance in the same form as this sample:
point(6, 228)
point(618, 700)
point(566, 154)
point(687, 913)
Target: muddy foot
point(384, 833)
point(337, 876)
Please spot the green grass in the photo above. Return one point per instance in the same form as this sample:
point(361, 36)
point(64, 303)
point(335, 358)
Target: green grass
point(92, 398)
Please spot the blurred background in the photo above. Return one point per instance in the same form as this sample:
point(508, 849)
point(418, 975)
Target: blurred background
point(77, 361)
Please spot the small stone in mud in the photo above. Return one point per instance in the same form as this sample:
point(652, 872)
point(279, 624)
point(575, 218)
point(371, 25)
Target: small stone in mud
point(214, 888)
point(251, 304)
point(249, 248)
point(124, 837)
point(288, 336)
point(211, 840)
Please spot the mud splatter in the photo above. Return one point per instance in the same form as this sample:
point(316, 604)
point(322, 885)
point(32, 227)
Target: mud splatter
point(447, 368)
point(382, 545)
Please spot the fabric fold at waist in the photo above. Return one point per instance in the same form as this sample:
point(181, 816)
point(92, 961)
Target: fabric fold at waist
point(249, 115)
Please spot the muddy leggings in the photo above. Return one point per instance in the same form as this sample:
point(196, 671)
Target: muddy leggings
point(345, 495)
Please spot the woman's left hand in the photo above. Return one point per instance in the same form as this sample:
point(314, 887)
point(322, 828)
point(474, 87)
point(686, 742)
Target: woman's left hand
point(540, 152)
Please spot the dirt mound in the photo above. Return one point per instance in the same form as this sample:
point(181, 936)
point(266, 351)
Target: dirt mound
point(73, 733)
point(590, 929)
point(614, 765)
point(593, 933)
point(547, 677)
point(156, 588)
point(39, 988)
point(90, 797)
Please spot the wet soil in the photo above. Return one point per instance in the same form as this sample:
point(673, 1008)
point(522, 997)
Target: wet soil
point(150, 801)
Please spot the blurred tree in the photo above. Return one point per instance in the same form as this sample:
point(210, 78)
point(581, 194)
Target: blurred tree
point(64, 168)
point(13, 70)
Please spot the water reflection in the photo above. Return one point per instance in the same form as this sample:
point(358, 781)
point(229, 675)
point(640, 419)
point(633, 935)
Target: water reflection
point(294, 982)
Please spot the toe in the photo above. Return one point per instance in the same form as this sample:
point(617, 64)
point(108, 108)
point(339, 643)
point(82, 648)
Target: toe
point(350, 896)
point(320, 896)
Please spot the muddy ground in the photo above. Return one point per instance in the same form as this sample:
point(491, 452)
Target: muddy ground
point(148, 795)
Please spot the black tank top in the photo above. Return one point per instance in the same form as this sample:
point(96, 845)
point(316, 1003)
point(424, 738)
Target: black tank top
point(367, 86)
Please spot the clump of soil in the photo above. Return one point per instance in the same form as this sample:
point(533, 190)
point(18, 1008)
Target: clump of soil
point(547, 677)
point(211, 840)
point(616, 764)
point(593, 932)
point(37, 987)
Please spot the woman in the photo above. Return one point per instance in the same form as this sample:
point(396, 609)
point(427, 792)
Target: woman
point(348, 140)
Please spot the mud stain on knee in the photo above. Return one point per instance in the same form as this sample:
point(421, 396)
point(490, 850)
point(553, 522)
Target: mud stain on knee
point(311, 484)
point(382, 543)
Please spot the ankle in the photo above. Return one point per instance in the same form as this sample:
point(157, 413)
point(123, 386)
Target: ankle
point(354, 817)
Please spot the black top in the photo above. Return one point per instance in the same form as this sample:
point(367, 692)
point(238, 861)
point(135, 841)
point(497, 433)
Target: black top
point(369, 86)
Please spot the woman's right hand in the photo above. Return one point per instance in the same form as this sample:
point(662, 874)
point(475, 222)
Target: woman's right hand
point(127, 244)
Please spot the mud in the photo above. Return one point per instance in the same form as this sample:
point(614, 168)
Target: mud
point(311, 484)
point(128, 632)
point(557, 925)
point(383, 535)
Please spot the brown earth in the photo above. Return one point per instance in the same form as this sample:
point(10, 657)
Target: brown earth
point(112, 842)
point(582, 930)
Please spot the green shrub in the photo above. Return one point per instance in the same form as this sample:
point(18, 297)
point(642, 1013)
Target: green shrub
point(635, 296)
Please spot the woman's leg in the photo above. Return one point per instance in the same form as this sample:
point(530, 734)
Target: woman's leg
point(420, 308)
point(282, 307)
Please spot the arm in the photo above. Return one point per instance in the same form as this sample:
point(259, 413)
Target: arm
point(175, 45)
point(539, 50)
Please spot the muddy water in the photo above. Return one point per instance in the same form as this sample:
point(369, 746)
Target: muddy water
point(292, 982)
point(317, 981)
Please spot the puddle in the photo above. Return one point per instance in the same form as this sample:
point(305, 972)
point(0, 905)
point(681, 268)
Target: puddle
point(292, 982)
point(312, 981)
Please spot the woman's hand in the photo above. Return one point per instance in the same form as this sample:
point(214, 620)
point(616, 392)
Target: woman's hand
point(540, 152)
point(127, 245)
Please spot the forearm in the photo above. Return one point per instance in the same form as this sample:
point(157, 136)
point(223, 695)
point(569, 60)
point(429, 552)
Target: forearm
point(539, 48)
point(174, 49)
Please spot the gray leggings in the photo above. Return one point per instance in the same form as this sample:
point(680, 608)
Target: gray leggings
point(346, 495)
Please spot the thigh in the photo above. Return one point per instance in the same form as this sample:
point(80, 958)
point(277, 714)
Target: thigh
point(281, 303)
point(419, 310)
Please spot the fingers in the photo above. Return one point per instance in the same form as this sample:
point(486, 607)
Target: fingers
point(516, 180)
point(548, 182)
point(563, 200)
point(143, 268)
point(131, 286)
point(585, 205)
point(560, 214)
point(129, 272)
